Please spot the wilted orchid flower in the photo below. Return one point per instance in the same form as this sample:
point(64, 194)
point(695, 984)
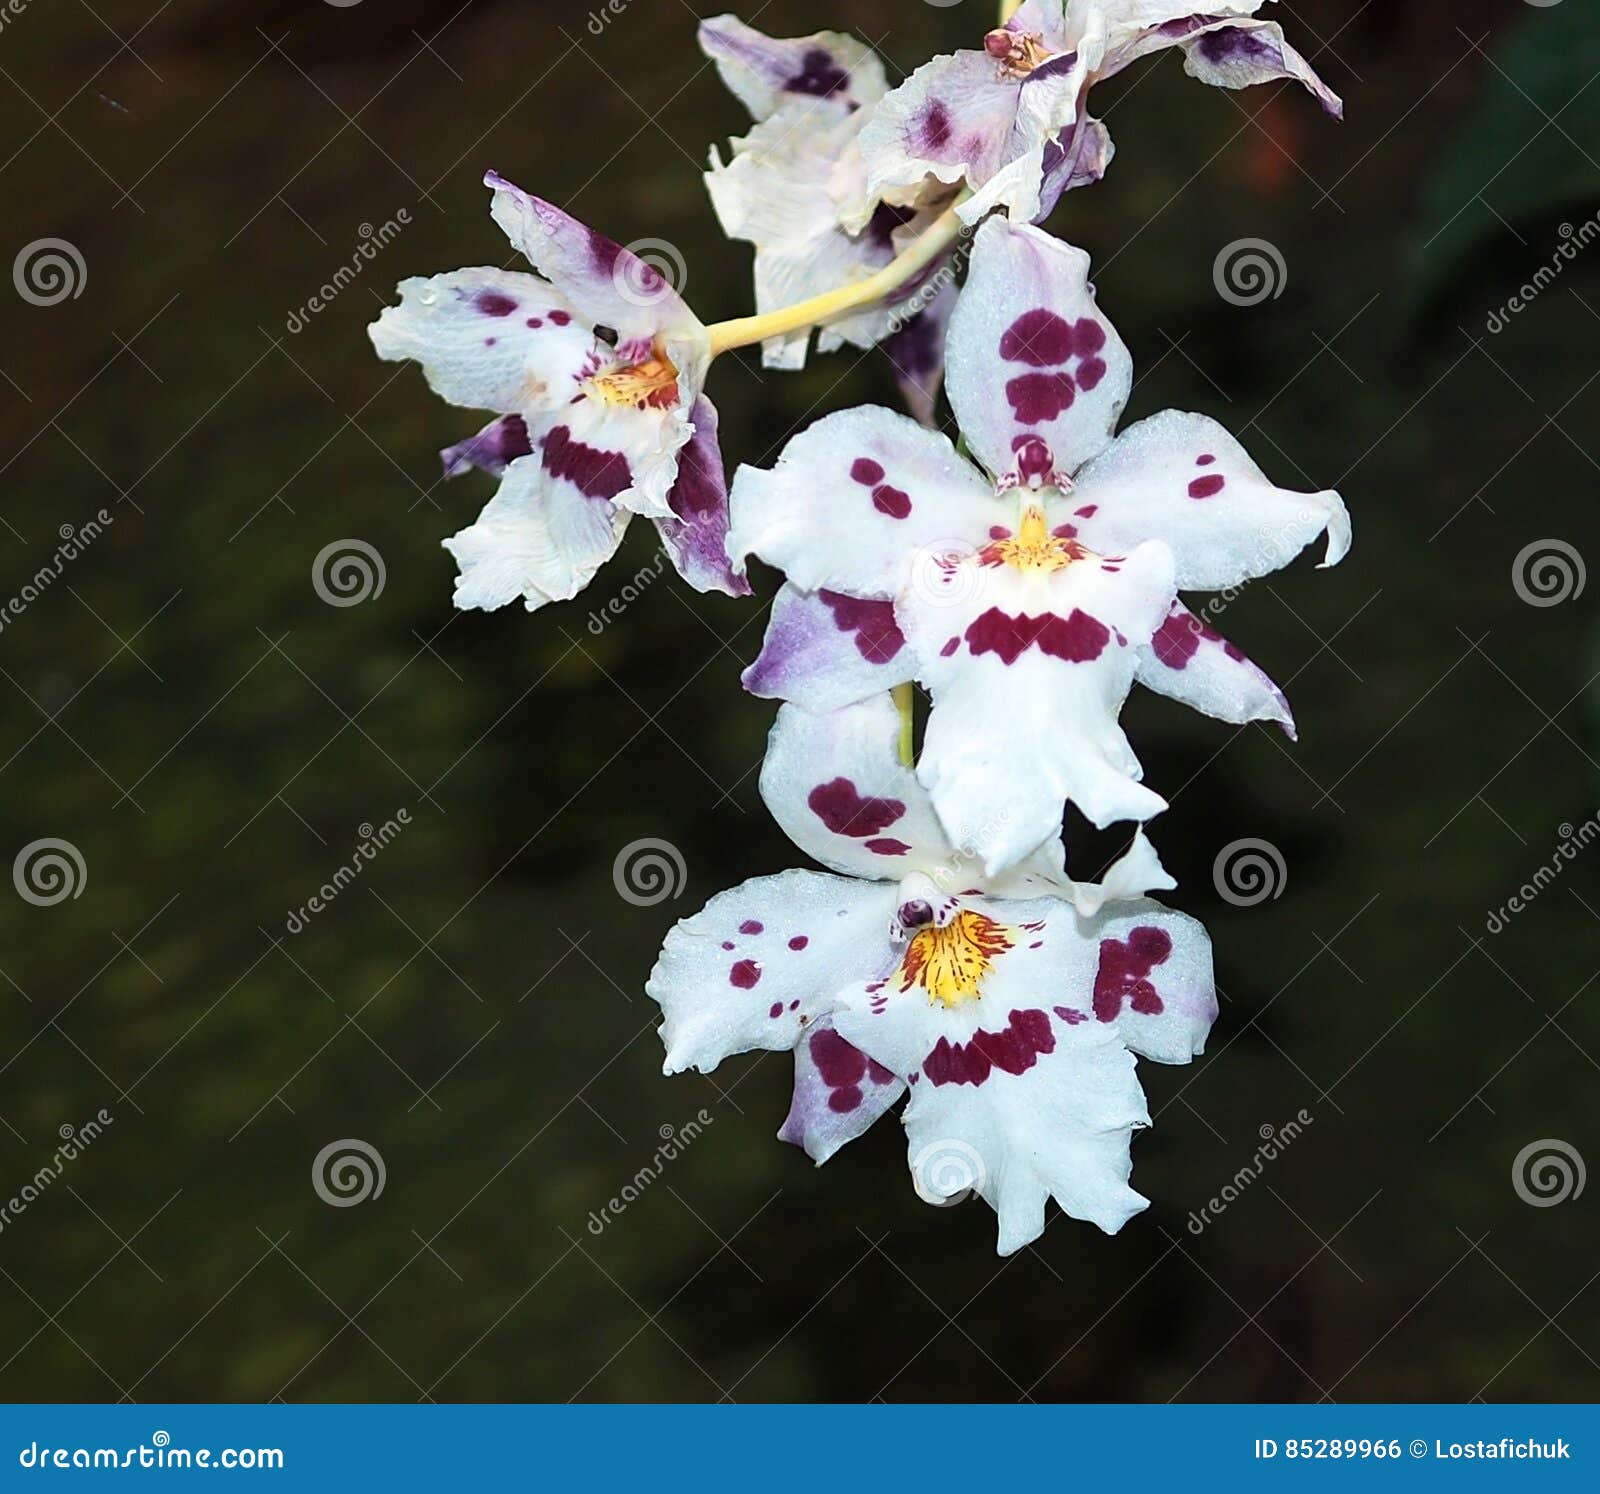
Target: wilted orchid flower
point(796, 187)
point(1009, 1007)
point(998, 117)
point(1027, 596)
point(794, 178)
point(596, 374)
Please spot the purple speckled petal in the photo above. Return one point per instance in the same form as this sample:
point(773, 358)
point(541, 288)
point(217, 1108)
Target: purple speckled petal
point(827, 650)
point(696, 537)
point(952, 119)
point(1080, 163)
point(1183, 479)
point(610, 285)
point(489, 339)
point(1254, 52)
point(1228, 50)
point(1189, 662)
point(858, 502)
point(1037, 375)
point(829, 70)
point(917, 353)
point(835, 783)
point(838, 1093)
point(758, 965)
point(497, 445)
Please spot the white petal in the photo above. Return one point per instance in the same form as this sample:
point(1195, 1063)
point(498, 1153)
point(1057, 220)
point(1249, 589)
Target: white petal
point(1064, 1130)
point(836, 784)
point(489, 339)
point(853, 499)
point(757, 965)
point(1187, 661)
point(1183, 479)
point(824, 650)
point(838, 1093)
point(1031, 360)
point(1028, 676)
point(539, 538)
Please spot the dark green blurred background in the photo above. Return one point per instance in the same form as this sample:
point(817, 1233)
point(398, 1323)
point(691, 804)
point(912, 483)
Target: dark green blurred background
point(210, 736)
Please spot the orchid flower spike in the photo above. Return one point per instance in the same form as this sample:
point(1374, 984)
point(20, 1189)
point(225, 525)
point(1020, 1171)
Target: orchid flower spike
point(1009, 1008)
point(997, 116)
point(595, 369)
point(1029, 595)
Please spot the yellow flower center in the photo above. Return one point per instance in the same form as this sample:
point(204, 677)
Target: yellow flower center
point(651, 385)
point(1033, 547)
point(950, 963)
